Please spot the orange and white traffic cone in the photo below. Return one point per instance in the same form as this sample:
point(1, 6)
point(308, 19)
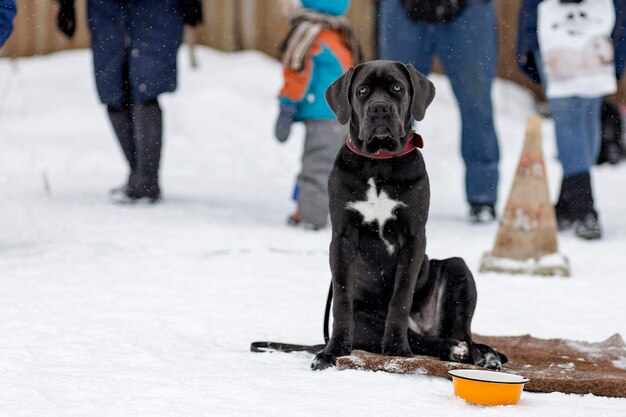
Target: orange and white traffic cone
point(526, 242)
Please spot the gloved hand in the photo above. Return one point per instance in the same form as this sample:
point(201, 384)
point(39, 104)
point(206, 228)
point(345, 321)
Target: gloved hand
point(284, 121)
point(66, 19)
point(191, 11)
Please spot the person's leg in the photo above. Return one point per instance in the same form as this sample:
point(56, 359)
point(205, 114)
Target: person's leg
point(122, 122)
point(577, 128)
point(323, 140)
point(107, 21)
point(588, 225)
point(571, 126)
point(594, 112)
point(577, 137)
point(148, 132)
point(402, 39)
point(468, 51)
point(156, 29)
point(155, 33)
point(108, 27)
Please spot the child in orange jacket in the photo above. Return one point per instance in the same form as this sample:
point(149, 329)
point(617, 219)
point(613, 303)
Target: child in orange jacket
point(317, 51)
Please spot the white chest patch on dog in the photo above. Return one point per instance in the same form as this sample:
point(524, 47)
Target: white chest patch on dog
point(377, 207)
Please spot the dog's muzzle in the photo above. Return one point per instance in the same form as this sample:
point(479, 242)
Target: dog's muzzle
point(381, 122)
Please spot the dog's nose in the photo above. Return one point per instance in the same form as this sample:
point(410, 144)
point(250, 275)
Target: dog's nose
point(379, 109)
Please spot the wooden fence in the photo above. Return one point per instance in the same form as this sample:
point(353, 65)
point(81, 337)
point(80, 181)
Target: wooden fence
point(229, 25)
point(232, 25)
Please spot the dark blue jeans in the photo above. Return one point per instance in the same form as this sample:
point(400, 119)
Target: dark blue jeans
point(467, 48)
point(578, 128)
point(577, 124)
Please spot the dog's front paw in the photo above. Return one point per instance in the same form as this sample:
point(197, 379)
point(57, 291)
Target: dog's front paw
point(398, 350)
point(457, 351)
point(323, 360)
point(395, 343)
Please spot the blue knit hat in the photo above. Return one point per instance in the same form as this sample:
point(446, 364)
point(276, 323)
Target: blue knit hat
point(333, 7)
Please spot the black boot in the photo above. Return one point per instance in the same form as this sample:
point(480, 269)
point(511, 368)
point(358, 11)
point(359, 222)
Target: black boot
point(575, 207)
point(122, 123)
point(148, 132)
point(564, 218)
point(482, 213)
point(588, 227)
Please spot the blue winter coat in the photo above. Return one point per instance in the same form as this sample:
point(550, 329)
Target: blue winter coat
point(528, 41)
point(142, 34)
point(7, 14)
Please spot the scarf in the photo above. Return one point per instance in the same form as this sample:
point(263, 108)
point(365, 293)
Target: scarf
point(306, 26)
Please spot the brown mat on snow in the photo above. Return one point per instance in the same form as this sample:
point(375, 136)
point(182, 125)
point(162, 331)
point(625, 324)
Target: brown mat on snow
point(554, 365)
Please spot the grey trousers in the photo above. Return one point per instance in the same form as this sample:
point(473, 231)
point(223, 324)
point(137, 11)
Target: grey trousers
point(324, 138)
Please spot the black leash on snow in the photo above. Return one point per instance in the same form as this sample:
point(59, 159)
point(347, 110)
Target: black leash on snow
point(289, 347)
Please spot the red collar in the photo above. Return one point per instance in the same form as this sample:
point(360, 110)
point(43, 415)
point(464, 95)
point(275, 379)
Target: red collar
point(415, 141)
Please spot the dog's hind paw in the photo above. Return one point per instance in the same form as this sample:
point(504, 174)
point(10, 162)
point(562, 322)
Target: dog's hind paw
point(322, 361)
point(488, 358)
point(492, 361)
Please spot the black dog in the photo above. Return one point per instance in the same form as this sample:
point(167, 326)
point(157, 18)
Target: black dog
point(388, 297)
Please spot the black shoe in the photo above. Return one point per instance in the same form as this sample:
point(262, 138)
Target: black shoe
point(568, 195)
point(122, 197)
point(588, 227)
point(564, 219)
point(575, 200)
point(575, 208)
point(482, 213)
point(134, 195)
point(563, 224)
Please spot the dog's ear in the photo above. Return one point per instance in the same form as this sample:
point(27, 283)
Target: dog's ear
point(337, 96)
point(423, 92)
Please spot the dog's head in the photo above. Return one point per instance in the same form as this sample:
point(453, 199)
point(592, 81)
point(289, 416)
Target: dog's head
point(379, 99)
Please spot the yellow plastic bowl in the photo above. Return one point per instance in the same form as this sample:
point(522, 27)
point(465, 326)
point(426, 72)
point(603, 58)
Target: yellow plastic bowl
point(487, 387)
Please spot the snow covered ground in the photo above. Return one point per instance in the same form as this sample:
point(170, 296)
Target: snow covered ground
point(149, 311)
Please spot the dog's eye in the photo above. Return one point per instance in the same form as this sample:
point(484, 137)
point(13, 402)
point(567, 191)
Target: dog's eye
point(396, 88)
point(363, 91)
